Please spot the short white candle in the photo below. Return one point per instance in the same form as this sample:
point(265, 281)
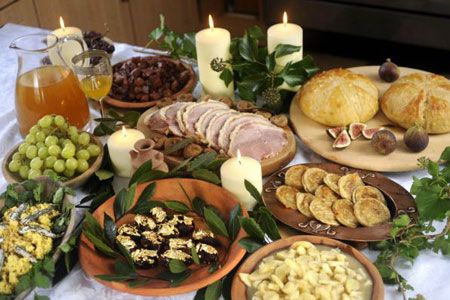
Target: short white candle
point(235, 171)
point(69, 49)
point(120, 143)
point(285, 33)
point(213, 43)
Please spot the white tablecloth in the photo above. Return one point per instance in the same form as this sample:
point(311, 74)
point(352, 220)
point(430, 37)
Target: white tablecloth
point(430, 275)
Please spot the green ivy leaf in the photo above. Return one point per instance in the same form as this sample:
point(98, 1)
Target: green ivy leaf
point(109, 227)
point(445, 156)
point(234, 224)
point(177, 266)
point(252, 228)
point(143, 169)
point(37, 192)
point(402, 220)
point(176, 206)
point(256, 32)
point(124, 201)
point(147, 193)
point(41, 280)
point(104, 174)
point(270, 62)
point(194, 255)
point(206, 175)
point(214, 290)
point(178, 146)
point(175, 278)
point(268, 223)
point(227, 76)
point(285, 49)
point(202, 160)
point(99, 244)
point(58, 196)
point(198, 205)
point(215, 223)
point(249, 244)
point(253, 191)
point(433, 168)
point(248, 48)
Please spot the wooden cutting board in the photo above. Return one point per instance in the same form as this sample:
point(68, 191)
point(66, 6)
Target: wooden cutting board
point(360, 153)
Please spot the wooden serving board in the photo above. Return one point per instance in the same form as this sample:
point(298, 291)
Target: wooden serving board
point(360, 153)
point(269, 165)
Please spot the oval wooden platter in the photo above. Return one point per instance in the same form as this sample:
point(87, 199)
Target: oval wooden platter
point(360, 153)
point(268, 166)
point(398, 200)
point(239, 290)
point(94, 263)
point(72, 183)
point(119, 103)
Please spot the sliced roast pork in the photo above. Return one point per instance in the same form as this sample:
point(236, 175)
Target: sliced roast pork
point(203, 123)
point(257, 139)
point(232, 123)
point(180, 113)
point(193, 113)
point(169, 114)
point(216, 123)
point(156, 123)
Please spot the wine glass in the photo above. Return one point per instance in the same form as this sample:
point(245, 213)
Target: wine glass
point(94, 72)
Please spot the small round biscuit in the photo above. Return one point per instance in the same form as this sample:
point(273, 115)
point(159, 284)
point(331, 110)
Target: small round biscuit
point(312, 178)
point(321, 210)
point(348, 183)
point(343, 211)
point(367, 191)
point(331, 180)
point(294, 176)
point(286, 195)
point(371, 212)
point(326, 193)
point(303, 202)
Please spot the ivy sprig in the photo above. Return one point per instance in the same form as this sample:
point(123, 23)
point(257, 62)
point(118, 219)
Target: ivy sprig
point(113, 120)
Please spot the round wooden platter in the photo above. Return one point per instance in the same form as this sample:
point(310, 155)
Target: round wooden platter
point(119, 103)
point(72, 183)
point(239, 289)
point(399, 201)
point(94, 263)
point(360, 153)
point(268, 166)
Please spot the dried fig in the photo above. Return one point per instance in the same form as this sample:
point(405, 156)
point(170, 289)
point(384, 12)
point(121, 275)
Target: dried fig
point(280, 120)
point(264, 114)
point(244, 105)
point(168, 143)
point(227, 100)
point(158, 138)
point(192, 150)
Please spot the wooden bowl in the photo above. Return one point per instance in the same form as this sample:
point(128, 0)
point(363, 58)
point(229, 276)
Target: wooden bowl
point(72, 183)
point(239, 290)
point(399, 201)
point(67, 234)
point(120, 103)
point(93, 263)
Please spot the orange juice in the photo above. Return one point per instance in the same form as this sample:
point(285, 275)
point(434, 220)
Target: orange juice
point(96, 86)
point(49, 90)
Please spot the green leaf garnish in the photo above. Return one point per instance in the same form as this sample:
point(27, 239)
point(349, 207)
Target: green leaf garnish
point(214, 222)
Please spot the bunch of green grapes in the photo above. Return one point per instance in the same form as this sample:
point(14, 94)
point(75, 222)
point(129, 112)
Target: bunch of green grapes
point(52, 147)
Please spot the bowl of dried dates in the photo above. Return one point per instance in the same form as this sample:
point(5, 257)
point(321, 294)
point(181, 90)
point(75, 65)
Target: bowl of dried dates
point(140, 82)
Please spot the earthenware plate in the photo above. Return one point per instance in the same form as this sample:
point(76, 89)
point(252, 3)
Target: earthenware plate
point(93, 263)
point(399, 201)
point(239, 290)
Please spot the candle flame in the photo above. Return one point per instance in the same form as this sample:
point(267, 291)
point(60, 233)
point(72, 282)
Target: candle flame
point(211, 22)
point(238, 156)
point(61, 23)
point(285, 19)
point(124, 131)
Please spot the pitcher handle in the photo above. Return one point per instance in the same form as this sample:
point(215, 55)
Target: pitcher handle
point(63, 40)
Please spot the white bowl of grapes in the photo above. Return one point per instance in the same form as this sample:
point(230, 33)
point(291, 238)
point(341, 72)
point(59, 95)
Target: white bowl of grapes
point(54, 148)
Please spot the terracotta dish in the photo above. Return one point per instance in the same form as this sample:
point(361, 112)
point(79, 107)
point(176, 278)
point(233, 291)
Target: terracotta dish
point(93, 263)
point(398, 200)
point(239, 290)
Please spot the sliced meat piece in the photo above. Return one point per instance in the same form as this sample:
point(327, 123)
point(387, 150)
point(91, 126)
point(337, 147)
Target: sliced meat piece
point(216, 123)
point(155, 122)
point(193, 113)
point(169, 114)
point(258, 140)
point(232, 123)
point(180, 113)
point(205, 119)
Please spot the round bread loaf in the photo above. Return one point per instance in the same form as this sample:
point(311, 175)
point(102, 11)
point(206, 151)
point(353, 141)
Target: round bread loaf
point(419, 98)
point(339, 97)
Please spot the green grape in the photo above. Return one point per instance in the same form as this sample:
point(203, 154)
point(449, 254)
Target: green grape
point(83, 165)
point(69, 173)
point(46, 121)
point(50, 162)
point(74, 138)
point(83, 154)
point(33, 174)
point(40, 145)
point(71, 164)
point(65, 142)
point(17, 156)
point(23, 148)
point(30, 139)
point(23, 171)
point(59, 166)
point(31, 152)
point(34, 129)
point(36, 163)
point(51, 140)
point(94, 150)
point(60, 121)
point(14, 166)
point(68, 152)
point(72, 130)
point(43, 152)
point(46, 131)
point(40, 136)
point(49, 172)
point(54, 150)
point(84, 138)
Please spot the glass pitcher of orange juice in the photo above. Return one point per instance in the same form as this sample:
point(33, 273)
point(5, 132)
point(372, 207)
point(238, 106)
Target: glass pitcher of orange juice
point(44, 88)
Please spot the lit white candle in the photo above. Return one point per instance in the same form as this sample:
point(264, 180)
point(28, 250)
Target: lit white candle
point(233, 173)
point(211, 43)
point(120, 143)
point(285, 33)
point(69, 49)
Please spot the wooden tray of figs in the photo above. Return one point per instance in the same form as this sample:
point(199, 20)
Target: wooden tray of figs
point(398, 200)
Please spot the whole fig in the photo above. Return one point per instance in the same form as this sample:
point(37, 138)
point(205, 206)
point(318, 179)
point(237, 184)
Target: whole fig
point(416, 138)
point(384, 142)
point(389, 71)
